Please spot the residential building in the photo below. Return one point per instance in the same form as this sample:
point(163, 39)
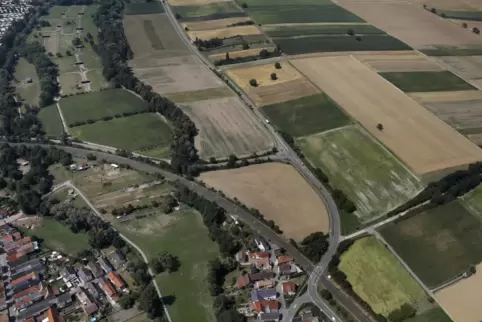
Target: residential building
point(15, 254)
point(64, 299)
point(261, 276)
point(105, 264)
point(25, 281)
point(287, 270)
point(242, 258)
point(289, 288)
point(265, 306)
point(92, 290)
point(269, 317)
point(117, 280)
point(117, 259)
point(84, 275)
point(266, 294)
point(68, 275)
point(95, 269)
point(21, 269)
point(264, 284)
point(261, 260)
point(18, 243)
point(7, 239)
point(108, 289)
point(283, 260)
point(243, 281)
point(88, 306)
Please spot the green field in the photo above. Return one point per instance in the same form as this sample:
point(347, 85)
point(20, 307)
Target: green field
point(51, 122)
point(331, 29)
point(183, 234)
point(432, 315)
point(372, 178)
point(473, 201)
point(97, 80)
point(453, 51)
point(131, 133)
point(59, 237)
point(200, 95)
point(378, 278)
point(206, 9)
point(427, 81)
point(96, 105)
point(311, 44)
point(437, 244)
point(28, 92)
point(87, 21)
point(307, 115)
point(143, 8)
point(460, 14)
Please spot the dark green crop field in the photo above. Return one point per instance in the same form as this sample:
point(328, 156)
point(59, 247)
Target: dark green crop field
point(427, 81)
point(307, 30)
point(143, 8)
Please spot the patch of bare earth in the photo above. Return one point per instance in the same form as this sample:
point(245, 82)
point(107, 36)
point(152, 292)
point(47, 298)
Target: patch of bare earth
point(213, 24)
point(406, 62)
point(279, 192)
point(425, 145)
point(467, 67)
point(462, 299)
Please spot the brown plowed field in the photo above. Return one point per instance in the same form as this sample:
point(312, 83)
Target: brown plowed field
point(279, 192)
point(462, 299)
point(411, 23)
point(224, 32)
point(227, 127)
point(425, 145)
point(239, 53)
point(289, 85)
point(411, 62)
point(433, 97)
point(459, 114)
point(467, 67)
point(213, 24)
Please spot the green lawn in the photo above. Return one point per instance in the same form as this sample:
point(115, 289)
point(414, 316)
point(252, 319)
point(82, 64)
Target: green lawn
point(325, 29)
point(432, 315)
point(66, 64)
point(88, 23)
point(90, 58)
point(371, 177)
point(162, 152)
point(378, 278)
point(96, 105)
point(97, 80)
point(59, 237)
point(473, 201)
point(307, 115)
point(63, 194)
point(427, 81)
point(184, 235)
point(29, 92)
point(143, 8)
point(50, 118)
point(206, 9)
point(131, 133)
point(437, 244)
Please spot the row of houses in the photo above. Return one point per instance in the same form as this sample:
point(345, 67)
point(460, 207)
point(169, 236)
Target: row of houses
point(11, 11)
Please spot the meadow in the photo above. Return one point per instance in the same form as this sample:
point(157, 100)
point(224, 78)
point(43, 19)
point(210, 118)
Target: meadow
point(320, 29)
point(29, 92)
point(390, 287)
point(431, 315)
point(473, 201)
point(437, 244)
point(208, 11)
point(96, 105)
point(427, 81)
point(307, 115)
point(140, 8)
point(369, 175)
point(311, 44)
point(131, 133)
point(51, 122)
point(183, 234)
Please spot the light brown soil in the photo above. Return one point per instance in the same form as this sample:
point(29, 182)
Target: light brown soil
point(458, 114)
point(410, 23)
point(425, 145)
point(467, 67)
point(227, 127)
point(312, 24)
point(475, 138)
point(224, 32)
point(289, 85)
point(462, 299)
point(200, 95)
point(279, 192)
point(445, 4)
point(470, 24)
point(446, 96)
point(193, 2)
point(240, 53)
point(406, 62)
point(213, 24)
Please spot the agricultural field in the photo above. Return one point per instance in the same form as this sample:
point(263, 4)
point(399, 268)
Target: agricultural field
point(213, 24)
point(440, 97)
point(279, 192)
point(227, 127)
point(462, 299)
point(328, 43)
point(306, 11)
point(208, 11)
point(294, 30)
point(408, 61)
point(429, 145)
point(289, 84)
point(183, 234)
point(411, 23)
point(437, 51)
point(71, 83)
point(473, 201)
point(471, 15)
point(51, 122)
point(227, 32)
point(307, 115)
point(133, 133)
point(391, 286)
point(363, 169)
point(445, 4)
point(437, 244)
point(141, 8)
point(427, 81)
point(96, 105)
point(200, 95)
point(239, 53)
point(26, 82)
point(467, 67)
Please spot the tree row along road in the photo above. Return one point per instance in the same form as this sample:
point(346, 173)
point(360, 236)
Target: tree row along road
point(245, 216)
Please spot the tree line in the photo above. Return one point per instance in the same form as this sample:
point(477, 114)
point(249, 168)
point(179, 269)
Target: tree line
point(114, 52)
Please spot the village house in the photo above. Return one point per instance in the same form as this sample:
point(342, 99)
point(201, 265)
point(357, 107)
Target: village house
point(88, 306)
point(289, 288)
point(108, 289)
point(95, 269)
point(68, 276)
point(117, 259)
point(84, 275)
point(117, 280)
point(266, 294)
point(105, 264)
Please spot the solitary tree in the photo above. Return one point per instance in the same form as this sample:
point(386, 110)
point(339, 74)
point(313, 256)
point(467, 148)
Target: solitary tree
point(464, 25)
point(433, 10)
point(244, 5)
point(350, 32)
point(476, 30)
point(358, 38)
point(178, 15)
point(227, 56)
point(380, 126)
point(277, 65)
point(253, 82)
point(274, 76)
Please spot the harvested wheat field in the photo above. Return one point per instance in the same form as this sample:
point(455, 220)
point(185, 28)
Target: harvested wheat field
point(177, 74)
point(410, 23)
point(240, 53)
point(445, 4)
point(213, 24)
point(227, 127)
point(289, 85)
point(425, 146)
point(409, 62)
point(462, 299)
point(279, 192)
point(432, 97)
point(193, 2)
point(459, 114)
point(467, 67)
point(224, 32)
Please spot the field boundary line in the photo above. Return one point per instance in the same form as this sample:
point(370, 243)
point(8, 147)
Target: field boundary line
point(64, 124)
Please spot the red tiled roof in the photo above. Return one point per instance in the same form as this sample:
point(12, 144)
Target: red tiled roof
point(4, 318)
point(259, 254)
point(18, 243)
point(115, 278)
point(243, 281)
point(24, 278)
point(107, 287)
point(7, 239)
point(284, 259)
point(31, 290)
point(289, 287)
point(260, 306)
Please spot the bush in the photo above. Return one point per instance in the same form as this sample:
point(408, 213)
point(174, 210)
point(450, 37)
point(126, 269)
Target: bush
point(253, 82)
point(178, 15)
point(244, 5)
point(274, 76)
point(277, 65)
point(351, 32)
point(264, 53)
point(476, 30)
